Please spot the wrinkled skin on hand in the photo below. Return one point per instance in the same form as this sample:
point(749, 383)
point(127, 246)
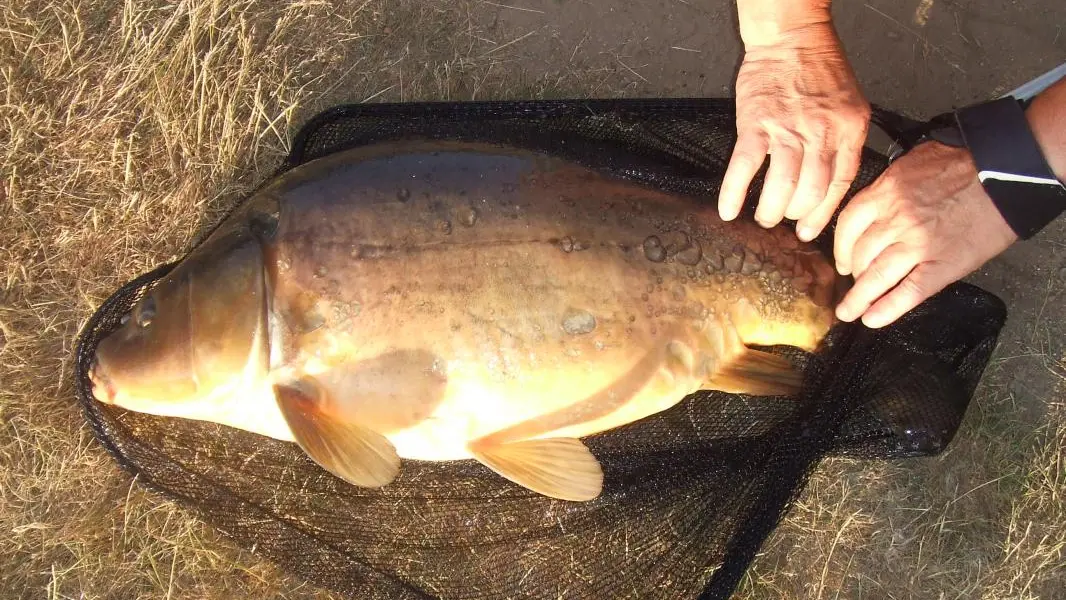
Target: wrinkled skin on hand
point(798, 100)
point(925, 223)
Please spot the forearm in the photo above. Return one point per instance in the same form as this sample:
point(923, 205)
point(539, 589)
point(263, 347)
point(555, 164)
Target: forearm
point(771, 22)
point(1047, 119)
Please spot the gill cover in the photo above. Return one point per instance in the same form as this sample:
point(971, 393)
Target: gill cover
point(201, 329)
point(228, 310)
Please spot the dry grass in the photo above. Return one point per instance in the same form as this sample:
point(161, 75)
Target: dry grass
point(985, 520)
point(125, 127)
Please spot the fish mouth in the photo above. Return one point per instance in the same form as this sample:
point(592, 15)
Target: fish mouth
point(102, 387)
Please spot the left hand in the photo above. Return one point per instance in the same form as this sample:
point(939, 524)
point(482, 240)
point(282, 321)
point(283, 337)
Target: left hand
point(798, 101)
point(925, 223)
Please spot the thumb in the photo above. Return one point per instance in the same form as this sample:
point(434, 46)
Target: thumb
point(856, 217)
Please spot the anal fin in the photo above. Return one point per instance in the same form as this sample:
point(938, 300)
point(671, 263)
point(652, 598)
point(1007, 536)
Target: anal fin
point(562, 468)
point(348, 450)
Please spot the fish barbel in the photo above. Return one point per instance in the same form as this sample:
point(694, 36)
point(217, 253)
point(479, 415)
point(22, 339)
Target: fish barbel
point(444, 301)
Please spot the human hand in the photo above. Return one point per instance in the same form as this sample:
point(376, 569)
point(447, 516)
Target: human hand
point(798, 100)
point(925, 223)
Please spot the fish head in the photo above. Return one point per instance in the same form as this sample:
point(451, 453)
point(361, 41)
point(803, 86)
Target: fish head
point(193, 339)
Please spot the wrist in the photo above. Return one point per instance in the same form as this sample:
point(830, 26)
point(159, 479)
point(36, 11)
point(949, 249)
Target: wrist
point(999, 234)
point(1045, 117)
point(1011, 164)
point(777, 23)
point(958, 180)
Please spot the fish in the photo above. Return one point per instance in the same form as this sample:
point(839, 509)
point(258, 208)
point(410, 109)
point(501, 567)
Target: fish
point(433, 300)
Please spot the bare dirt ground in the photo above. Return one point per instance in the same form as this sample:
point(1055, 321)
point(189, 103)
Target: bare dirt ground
point(125, 126)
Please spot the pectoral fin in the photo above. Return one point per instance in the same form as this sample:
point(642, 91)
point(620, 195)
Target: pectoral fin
point(557, 467)
point(743, 370)
point(758, 373)
point(348, 450)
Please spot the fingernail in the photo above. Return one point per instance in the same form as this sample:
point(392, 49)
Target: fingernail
point(844, 314)
point(805, 233)
point(873, 321)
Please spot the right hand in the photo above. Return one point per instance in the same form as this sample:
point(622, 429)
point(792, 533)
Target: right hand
point(799, 102)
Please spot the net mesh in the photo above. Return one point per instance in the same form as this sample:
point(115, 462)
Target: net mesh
point(690, 494)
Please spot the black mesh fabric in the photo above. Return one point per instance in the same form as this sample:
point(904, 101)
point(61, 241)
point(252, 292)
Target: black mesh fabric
point(690, 494)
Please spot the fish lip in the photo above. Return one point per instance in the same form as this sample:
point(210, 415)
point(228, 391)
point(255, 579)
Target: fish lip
point(102, 388)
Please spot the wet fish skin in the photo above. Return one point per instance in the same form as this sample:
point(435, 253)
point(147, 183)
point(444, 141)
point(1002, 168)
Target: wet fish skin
point(463, 300)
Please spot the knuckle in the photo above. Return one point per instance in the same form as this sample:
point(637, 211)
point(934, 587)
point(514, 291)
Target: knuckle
point(849, 146)
point(783, 184)
point(744, 158)
point(790, 145)
point(892, 185)
point(859, 105)
point(904, 219)
point(818, 130)
point(769, 207)
point(749, 147)
point(840, 185)
point(847, 167)
point(818, 141)
point(877, 272)
point(747, 134)
point(866, 200)
point(913, 289)
point(844, 219)
point(909, 216)
point(787, 138)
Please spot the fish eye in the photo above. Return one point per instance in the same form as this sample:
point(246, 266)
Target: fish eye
point(146, 312)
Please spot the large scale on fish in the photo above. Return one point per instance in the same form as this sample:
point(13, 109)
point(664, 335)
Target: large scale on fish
point(443, 301)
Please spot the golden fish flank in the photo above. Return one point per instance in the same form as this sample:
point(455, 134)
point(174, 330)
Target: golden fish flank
point(445, 301)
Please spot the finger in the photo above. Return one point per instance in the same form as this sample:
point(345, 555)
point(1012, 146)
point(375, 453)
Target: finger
point(813, 182)
point(925, 280)
point(749, 153)
point(856, 217)
point(846, 167)
point(812, 225)
point(780, 183)
point(870, 245)
point(848, 160)
point(885, 271)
